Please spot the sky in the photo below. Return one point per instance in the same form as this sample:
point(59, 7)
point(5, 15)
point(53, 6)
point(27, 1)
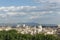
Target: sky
point(36, 11)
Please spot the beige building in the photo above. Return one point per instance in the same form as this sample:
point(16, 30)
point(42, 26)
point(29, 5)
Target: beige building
point(30, 30)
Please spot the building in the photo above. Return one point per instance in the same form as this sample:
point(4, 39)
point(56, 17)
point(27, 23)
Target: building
point(25, 29)
point(58, 30)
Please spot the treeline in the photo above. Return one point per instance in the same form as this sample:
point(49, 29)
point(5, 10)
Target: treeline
point(14, 35)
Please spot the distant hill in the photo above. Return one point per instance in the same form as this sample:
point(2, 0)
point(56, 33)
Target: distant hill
point(29, 24)
point(15, 24)
point(49, 25)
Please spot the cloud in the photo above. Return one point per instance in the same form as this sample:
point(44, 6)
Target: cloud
point(15, 13)
point(28, 10)
point(21, 10)
point(32, 10)
point(29, 13)
point(17, 8)
point(47, 1)
point(2, 15)
point(34, 17)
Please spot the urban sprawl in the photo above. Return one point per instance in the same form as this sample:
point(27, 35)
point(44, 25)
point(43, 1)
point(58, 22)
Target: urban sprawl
point(26, 29)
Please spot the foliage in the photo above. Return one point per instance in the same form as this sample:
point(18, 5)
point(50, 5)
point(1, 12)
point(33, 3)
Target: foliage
point(14, 35)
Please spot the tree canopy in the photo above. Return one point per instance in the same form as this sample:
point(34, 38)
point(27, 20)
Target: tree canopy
point(14, 35)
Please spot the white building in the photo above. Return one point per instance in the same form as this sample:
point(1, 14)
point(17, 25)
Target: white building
point(58, 26)
point(18, 26)
point(24, 25)
point(8, 28)
point(39, 29)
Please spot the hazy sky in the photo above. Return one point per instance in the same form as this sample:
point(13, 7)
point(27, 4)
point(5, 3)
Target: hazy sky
point(39, 11)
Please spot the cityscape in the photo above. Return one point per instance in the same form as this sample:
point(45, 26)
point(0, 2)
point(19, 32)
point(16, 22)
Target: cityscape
point(33, 29)
point(30, 31)
point(29, 19)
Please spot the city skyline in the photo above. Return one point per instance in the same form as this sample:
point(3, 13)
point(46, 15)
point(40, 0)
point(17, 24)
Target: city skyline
point(24, 11)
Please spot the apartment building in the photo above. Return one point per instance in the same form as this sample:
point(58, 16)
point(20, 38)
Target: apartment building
point(25, 29)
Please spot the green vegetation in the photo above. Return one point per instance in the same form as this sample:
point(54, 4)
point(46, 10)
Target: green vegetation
point(13, 35)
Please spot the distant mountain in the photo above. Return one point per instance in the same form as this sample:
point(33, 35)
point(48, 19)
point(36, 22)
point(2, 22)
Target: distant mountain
point(15, 24)
point(29, 24)
point(49, 25)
